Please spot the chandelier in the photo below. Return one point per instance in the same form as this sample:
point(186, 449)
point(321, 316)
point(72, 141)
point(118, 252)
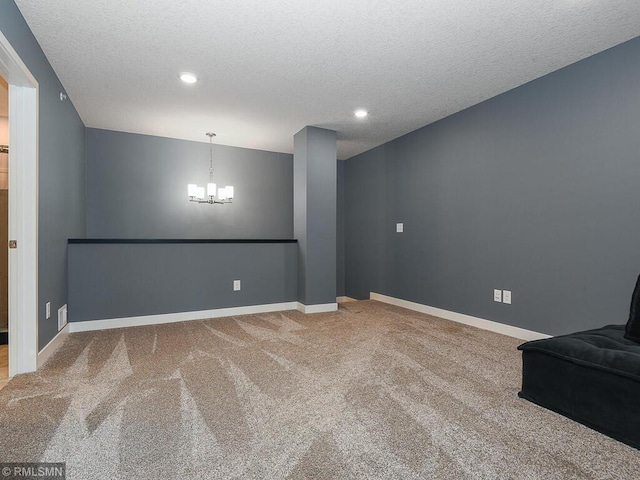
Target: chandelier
point(221, 196)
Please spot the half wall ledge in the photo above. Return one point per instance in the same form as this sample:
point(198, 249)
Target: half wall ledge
point(123, 278)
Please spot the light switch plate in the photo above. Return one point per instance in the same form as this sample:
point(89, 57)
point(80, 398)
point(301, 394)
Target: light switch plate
point(399, 227)
point(506, 297)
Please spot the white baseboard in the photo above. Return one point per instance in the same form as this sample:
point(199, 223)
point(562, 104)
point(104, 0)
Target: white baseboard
point(345, 299)
point(90, 325)
point(319, 308)
point(51, 347)
point(501, 328)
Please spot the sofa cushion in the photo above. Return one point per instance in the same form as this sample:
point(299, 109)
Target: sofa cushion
point(632, 330)
point(604, 348)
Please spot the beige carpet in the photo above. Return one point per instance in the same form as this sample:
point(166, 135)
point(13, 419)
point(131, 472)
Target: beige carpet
point(370, 391)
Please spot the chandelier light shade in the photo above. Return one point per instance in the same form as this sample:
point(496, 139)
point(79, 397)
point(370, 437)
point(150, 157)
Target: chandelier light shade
point(213, 195)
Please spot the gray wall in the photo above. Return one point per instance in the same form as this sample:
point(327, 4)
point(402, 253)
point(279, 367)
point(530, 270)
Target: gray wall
point(127, 280)
point(137, 188)
point(340, 239)
point(61, 171)
point(534, 191)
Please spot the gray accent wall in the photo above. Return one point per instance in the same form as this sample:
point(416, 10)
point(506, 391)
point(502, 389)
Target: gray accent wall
point(61, 171)
point(137, 188)
point(534, 191)
point(129, 280)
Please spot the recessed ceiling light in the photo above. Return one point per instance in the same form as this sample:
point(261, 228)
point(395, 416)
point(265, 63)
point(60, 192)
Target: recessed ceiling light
point(187, 77)
point(361, 113)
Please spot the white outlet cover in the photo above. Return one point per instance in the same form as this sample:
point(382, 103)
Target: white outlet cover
point(506, 297)
point(47, 310)
point(497, 295)
point(399, 227)
point(236, 285)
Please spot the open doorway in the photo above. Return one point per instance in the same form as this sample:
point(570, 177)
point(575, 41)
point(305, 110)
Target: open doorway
point(22, 248)
point(4, 231)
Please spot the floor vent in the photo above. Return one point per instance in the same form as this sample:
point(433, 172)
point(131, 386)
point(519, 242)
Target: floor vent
point(62, 317)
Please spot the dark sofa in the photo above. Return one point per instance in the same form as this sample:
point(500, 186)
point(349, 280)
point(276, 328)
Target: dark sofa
point(592, 377)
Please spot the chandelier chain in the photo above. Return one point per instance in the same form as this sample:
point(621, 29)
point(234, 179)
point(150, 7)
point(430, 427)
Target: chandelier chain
point(211, 135)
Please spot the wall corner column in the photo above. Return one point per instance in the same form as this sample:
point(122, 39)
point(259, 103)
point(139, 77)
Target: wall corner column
point(314, 217)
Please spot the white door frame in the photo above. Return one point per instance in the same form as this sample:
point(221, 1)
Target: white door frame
point(23, 210)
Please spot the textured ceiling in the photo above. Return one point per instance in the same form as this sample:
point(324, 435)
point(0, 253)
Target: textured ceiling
point(268, 68)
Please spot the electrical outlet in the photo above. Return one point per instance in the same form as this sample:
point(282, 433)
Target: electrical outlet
point(399, 227)
point(506, 297)
point(47, 310)
point(497, 295)
point(236, 285)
